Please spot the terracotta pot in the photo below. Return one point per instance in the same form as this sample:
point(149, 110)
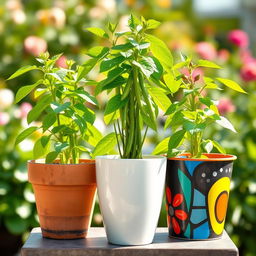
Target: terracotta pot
point(197, 192)
point(65, 196)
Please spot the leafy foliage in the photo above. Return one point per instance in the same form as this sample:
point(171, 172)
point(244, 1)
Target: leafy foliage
point(133, 65)
point(189, 117)
point(65, 116)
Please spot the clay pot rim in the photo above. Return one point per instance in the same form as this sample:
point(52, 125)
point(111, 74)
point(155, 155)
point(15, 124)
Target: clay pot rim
point(212, 157)
point(117, 158)
point(83, 162)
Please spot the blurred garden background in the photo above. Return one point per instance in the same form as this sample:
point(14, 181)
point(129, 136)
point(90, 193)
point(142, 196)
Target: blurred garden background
point(217, 30)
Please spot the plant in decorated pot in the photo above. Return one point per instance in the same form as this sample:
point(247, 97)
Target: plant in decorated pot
point(130, 185)
point(64, 185)
point(197, 181)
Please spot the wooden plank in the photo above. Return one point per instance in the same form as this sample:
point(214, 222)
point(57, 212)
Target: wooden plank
point(96, 245)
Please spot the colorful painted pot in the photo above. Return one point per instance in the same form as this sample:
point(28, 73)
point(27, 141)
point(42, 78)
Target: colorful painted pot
point(197, 192)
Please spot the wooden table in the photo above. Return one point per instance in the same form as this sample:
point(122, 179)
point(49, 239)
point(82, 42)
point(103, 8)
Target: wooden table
point(96, 244)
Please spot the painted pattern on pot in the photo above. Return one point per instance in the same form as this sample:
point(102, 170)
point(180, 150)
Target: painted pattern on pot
point(197, 192)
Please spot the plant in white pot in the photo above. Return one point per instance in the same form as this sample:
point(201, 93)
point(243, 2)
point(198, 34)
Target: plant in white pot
point(130, 185)
point(197, 181)
point(64, 184)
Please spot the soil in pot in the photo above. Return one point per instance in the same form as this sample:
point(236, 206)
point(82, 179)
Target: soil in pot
point(197, 192)
point(65, 196)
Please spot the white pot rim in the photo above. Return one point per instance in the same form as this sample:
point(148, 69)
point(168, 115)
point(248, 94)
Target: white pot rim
point(117, 157)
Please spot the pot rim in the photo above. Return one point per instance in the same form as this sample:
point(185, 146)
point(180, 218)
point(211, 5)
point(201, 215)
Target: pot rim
point(211, 157)
point(117, 157)
point(41, 162)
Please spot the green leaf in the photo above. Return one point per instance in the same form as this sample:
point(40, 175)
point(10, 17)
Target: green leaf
point(39, 150)
point(16, 225)
point(193, 128)
point(147, 66)
point(114, 104)
point(159, 98)
point(133, 22)
point(207, 64)
point(172, 84)
point(105, 145)
point(86, 96)
point(123, 47)
point(112, 75)
point(118, 81)
point(85, 68)
point(88, 114)
point(108, 119)
point(148, 121)
point(38, 92)
point(51, 157)
point(45, 140)
point(48, 121)
point(57, 108)
point(21, 71)
point(231, 84)
point(98, 32)
point(25, 90)
point(207, 145)
point(94, 135)
point(160, 51)
point(172, 108)
point(39, 108)
point(152, 24)
point(83, 149)
point(59, 74)
point(181, 64)
point(175, 140)
point(224, 122)
point(218, 147)
point(162, 147)
point(24, 134)
point(59, 146)
point(98, 52)
point(110, 63)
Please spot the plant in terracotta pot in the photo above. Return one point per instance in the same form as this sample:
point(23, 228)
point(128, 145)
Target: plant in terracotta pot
point(197, 181)
point(63, 183)
point(130, 185)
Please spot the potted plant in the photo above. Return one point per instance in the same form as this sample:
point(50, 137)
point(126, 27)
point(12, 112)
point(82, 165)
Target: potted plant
point(130, 185)
point(63, 183)
point(197, 181)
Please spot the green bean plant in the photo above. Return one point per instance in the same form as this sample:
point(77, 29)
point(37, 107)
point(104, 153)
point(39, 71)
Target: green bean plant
point(189, 117)
point(64, 109)
point(133, 65)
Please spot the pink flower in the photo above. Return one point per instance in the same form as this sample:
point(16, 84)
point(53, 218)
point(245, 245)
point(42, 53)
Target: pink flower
point(223, 55)
point(35, 45)
point(239, 38)
point(24, 109)
point(246, 56)
point(206, 50)
point(248, 72)
point(197, 74)
point(226, 106)
point(62, 62)
point(4, 118)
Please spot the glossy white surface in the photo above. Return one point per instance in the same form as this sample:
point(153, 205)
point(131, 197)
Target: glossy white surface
point(130, 196)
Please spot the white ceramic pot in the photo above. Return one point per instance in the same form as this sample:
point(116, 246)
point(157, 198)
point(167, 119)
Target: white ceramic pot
point(130, 196)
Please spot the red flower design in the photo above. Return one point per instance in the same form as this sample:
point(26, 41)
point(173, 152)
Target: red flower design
point(175, 214)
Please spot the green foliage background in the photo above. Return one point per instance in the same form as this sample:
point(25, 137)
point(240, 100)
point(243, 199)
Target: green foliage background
point(181, 29)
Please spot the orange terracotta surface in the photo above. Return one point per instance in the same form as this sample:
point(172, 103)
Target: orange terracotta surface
point(210, 157)
point(64, 197)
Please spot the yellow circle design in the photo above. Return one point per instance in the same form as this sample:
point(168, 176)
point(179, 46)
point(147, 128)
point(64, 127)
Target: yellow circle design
point(217, 188)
